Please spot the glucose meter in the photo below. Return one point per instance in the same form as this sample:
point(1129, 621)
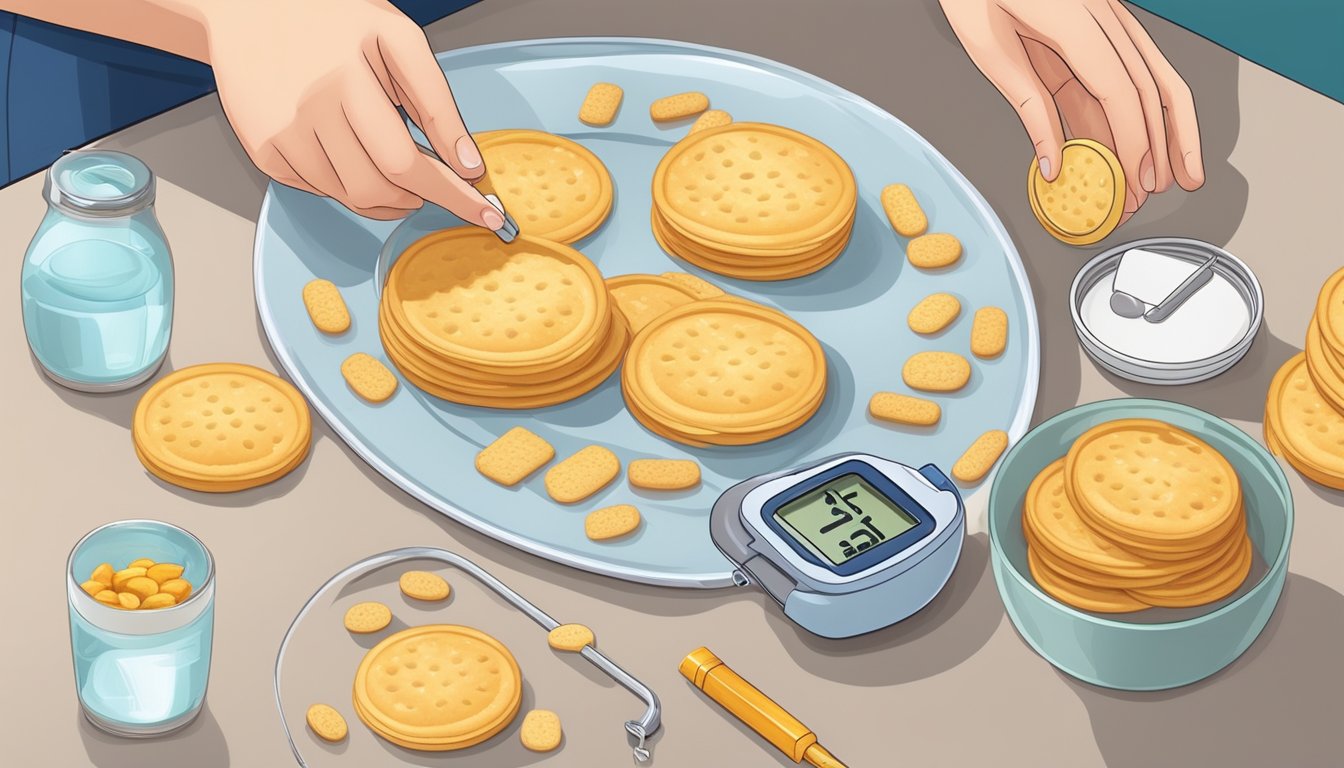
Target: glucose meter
point(847, 545)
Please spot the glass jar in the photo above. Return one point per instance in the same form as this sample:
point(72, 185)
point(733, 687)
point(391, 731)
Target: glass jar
point(97, 281)
point(141, 672)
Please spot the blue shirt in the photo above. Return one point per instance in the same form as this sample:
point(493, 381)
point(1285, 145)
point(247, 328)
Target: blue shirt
point(61, 88)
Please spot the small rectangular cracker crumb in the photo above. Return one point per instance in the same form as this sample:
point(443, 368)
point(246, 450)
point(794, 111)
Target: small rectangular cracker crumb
point(710, 119)
point(989, 332)
point(903, 211)
point(582, 475)
point(980, 457)
point(663, 474)
point(679, 105)
point(904, 409)
point(326, 307)
point(611, 522)
point(513, 456)
point(601, 104)
point(368, 377)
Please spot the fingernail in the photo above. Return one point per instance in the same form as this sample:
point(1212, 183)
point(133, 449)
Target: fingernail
point(491, 218)
point(468, 153)
point(1147, 178)
point(1045, 167)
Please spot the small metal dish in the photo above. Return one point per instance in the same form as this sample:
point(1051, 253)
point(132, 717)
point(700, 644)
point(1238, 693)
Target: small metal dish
point(1155, 364)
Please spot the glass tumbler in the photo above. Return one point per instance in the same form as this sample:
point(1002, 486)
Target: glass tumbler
point(144, 672)
point(97, 279)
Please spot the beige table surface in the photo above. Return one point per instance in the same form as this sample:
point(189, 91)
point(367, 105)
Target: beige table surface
point(954, 685)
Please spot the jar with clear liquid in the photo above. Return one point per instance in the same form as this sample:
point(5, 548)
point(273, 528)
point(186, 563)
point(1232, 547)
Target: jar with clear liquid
point(97, 280)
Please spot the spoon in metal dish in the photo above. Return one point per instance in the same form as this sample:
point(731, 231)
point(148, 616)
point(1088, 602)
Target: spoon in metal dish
point(1131, 307)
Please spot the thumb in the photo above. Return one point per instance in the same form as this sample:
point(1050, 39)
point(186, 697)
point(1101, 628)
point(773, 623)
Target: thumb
point(1040, 118)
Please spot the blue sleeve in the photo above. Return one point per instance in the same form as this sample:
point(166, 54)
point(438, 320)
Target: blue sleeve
point(61, 88)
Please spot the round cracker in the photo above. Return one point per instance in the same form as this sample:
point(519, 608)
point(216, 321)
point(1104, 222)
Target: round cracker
point(1330, 312)
point(783, 186)
point(423, 585)
point(475, 705)
point(555, 188)
point(367, 617)
point(1081, 596)
point(231, 424)
point(1156, 481)
point(1310, 432)
point(1085, 201)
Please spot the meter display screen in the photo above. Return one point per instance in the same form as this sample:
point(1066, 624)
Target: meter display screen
point(844, 517)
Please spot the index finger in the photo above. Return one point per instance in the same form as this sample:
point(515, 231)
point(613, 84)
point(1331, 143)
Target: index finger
point(416, 74)
point(390, 147)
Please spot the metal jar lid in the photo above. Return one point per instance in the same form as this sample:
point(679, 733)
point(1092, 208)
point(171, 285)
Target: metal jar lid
point(99, 182)
point(1224, 321)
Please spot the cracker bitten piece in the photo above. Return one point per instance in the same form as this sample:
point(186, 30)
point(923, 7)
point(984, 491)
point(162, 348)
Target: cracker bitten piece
point(541, 730)
point(904, 409)
point(570, 637)
point(980, 457)
point(710, 119)
point(326, 307)
point(936, 371)
point(611, 522)
point(368, 377)
point(678, 105)
point(903, 211)
point(664, 474)
point(582, 475)
point(934, 250)
point(933, 313)
point(513, 456)
point(989, 332)
point(601, 104)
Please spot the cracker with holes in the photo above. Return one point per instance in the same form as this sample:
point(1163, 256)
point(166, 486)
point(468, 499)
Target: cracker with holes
point(570, 637)
point(554, 187)
point(541, 731)
point(392, 685)
point(585, 473)
point(423, 585)
point(221, 427)
point(753, 201)
point(327, 723)
point(368, 617)
point(723, 372)
point(513, 456)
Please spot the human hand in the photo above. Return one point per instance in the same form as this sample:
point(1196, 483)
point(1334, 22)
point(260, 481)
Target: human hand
point(311, 89)
point(1091, 63)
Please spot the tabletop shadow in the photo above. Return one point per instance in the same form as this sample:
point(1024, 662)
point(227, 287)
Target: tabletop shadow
point(1279, 704)
point(1238, 393)
point(948, 631)
point(113, 407)
point(200, 744)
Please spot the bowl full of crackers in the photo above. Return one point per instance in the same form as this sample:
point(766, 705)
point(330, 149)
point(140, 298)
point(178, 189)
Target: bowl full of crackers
point(1139, 544)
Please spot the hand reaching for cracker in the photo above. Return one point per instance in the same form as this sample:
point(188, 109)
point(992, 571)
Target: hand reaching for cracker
point(1088, 68)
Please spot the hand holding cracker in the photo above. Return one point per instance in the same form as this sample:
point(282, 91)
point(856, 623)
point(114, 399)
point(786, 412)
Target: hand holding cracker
point(1093, 64)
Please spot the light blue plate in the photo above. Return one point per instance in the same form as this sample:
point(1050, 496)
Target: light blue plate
point(856, 307)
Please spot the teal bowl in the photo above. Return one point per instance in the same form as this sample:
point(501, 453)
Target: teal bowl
point(1156, 648)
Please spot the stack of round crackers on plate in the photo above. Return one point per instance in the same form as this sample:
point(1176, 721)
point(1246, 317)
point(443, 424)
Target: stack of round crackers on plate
point(438, 687)
point(554, 187)
point(753, 201)
point(221, 427)
point(476, 321)
point(723, 371)
point(1139, 513)
point(1304, 410)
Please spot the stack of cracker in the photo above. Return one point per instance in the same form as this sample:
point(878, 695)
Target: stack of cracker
point(723, 371)
point(1138, 514)
point(1304, 411)
point(475, 321)
point(753, 201)
point(221, 427)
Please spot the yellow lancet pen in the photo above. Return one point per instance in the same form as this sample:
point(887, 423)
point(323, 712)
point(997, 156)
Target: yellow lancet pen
point(774, 724)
